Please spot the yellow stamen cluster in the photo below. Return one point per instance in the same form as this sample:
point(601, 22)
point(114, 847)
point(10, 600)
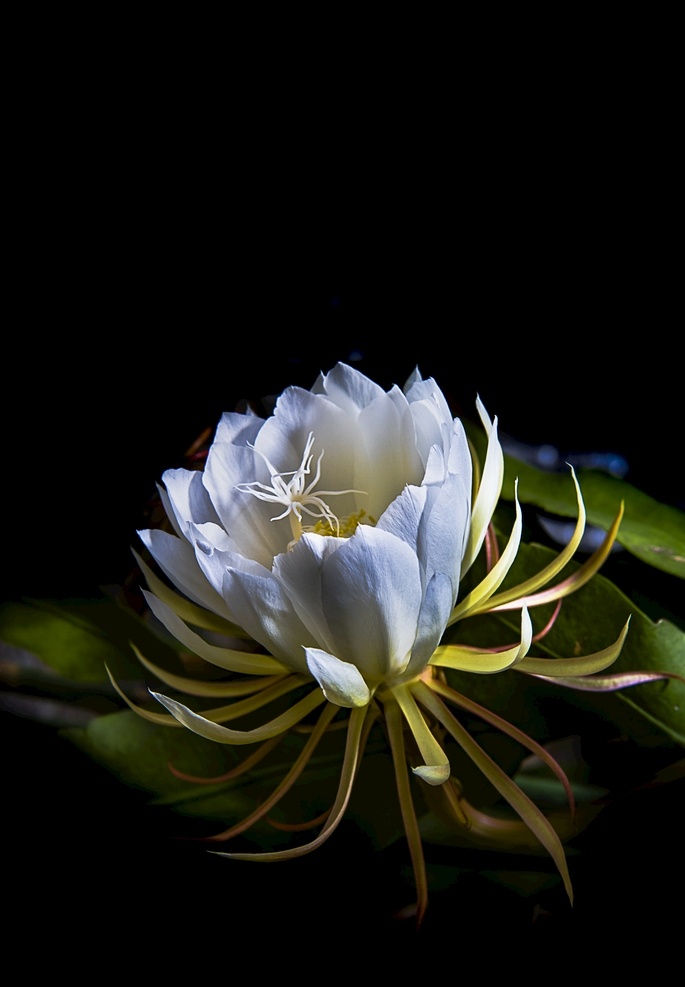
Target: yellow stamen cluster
point(344, 527)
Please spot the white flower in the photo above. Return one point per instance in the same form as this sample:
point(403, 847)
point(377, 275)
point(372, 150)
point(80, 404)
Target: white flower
point(333, 532)
point(333, 535)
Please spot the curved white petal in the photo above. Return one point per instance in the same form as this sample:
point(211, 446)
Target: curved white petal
point(371, 598)
point(434, 521)
point(403, 516)
point(340, 681)
point(389, 437)
point(299, 574)
point(338, 449)
point(246, 518)
point(186, 609)
point(348, 388)
point(444, 529)
point(185, 499)
point(176, 559)
point(268, 616)
point(435, 611)
point(237, 429)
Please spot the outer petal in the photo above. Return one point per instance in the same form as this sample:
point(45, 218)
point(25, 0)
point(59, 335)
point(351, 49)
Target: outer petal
point(340, 681)
point(185, 499)
point(237, 661)
point(177, 560)
point(433, 421)
point(360, 595)
point(350, 389)
point(434, 520)
point(371, 597)
point(403, 516)
point(299, 573)
point(238, 429)
point(435, 611)
point(388, 434)
point(444, 528)
point(262, 608)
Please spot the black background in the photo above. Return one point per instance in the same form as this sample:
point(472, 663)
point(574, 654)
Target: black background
point(136, 319)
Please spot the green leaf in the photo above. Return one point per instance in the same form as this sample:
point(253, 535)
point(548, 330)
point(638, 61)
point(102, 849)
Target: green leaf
point(651, 531)
point(140, 753)
point(589, 620)
point(76, 639)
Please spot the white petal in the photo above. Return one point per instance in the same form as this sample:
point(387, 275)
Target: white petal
point(403, 516)
point(434, 521)
point(177, 560)
point(213, 550)
point(459, 458)
point(265, 612)
point(350, 389)
point(435, 612)
point(344, 464)
point(245, 517)
point(237, 429)
point(425, 395)
point(186, 499)
point(412, 379)
point(387, 430)
point(341, 682)
point(444, 528)
point(371, 595)
point(299, 572)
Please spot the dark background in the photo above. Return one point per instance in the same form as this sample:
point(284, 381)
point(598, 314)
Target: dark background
point(148, 293)
point(102, 411)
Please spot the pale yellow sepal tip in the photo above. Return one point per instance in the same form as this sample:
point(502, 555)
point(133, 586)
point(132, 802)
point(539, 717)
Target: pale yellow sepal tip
point(433, 774)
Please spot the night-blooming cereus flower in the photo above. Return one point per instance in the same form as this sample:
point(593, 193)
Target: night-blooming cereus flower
point(335, 534)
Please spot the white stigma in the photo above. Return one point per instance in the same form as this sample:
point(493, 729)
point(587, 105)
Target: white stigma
point(296, 494)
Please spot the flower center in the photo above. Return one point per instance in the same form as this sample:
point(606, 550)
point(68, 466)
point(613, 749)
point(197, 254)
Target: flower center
point(298, 496)
point(344, 526)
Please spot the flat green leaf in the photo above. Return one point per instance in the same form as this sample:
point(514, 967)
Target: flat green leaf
point(651, 531)
point(589, 620)
point(76, 640)
point(139, 754)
